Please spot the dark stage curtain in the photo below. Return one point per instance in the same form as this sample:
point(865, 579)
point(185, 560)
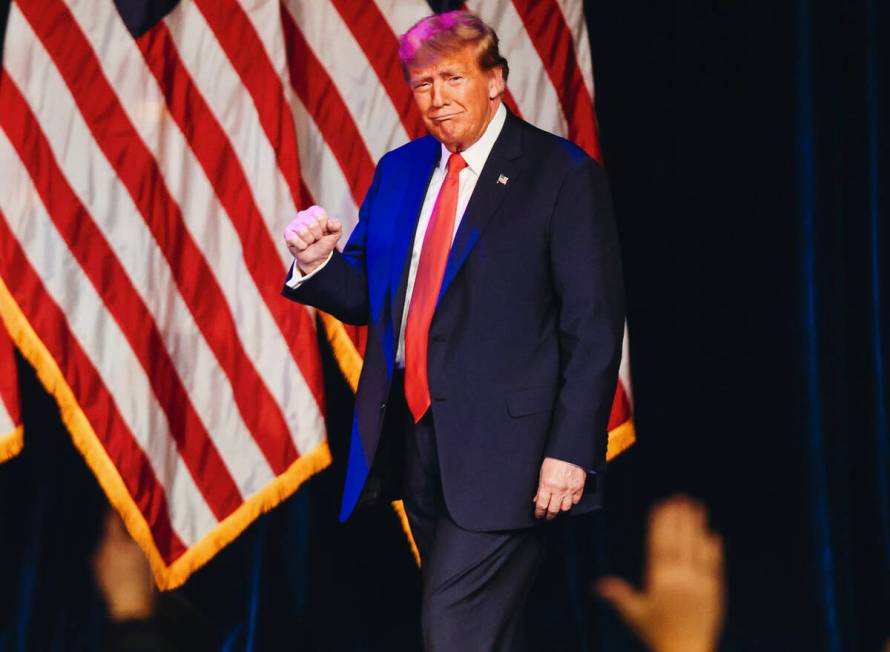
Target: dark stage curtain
point(747, 146)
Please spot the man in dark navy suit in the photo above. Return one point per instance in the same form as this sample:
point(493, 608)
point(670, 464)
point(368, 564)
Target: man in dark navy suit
point(485, 263)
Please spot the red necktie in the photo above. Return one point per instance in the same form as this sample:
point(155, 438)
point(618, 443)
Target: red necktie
point(430, 270)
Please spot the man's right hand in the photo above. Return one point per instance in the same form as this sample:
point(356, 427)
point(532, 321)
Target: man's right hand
point(311, 237)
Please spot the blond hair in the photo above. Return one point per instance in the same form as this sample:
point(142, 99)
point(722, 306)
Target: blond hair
point(444, 34)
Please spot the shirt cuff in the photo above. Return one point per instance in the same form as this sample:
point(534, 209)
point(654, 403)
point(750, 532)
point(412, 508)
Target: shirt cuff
point(296, 278)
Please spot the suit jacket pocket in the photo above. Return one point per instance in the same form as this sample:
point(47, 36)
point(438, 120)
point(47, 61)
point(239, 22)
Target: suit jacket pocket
point(530, 401)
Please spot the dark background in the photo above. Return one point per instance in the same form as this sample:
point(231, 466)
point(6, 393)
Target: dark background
point(746, 144)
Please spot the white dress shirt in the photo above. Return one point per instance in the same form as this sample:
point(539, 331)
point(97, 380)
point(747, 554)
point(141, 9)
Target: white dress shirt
point(475, 156)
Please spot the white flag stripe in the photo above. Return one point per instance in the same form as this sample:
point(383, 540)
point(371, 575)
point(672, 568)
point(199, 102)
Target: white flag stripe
point(322, 173)
point(223, 91)
point(369, 105)
point(529, 83)
point(103, 342)
point(6, 423)
point(97, 186)
point(624, 368)
point(207, 221)
point(403, 14)
point(573, 11)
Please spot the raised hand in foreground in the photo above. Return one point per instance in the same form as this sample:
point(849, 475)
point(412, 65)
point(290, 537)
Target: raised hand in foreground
point(682, 606)
point(122, 573)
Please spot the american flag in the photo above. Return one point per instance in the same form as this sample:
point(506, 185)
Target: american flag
point(151, 155)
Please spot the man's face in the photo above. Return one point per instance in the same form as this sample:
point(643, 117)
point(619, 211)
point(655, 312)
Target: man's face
point(456, 98)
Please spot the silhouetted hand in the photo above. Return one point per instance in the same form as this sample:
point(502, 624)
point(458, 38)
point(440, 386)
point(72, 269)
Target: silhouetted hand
point(122, 573)
point(682, 606)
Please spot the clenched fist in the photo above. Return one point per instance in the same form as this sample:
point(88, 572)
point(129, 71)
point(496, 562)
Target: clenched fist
point(311, 237)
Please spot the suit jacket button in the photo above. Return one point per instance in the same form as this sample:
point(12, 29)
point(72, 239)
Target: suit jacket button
point(383, 406)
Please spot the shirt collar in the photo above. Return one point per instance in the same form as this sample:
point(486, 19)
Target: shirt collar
point(476, 154)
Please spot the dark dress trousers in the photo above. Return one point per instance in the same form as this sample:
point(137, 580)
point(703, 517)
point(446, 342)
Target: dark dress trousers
point(524, 345)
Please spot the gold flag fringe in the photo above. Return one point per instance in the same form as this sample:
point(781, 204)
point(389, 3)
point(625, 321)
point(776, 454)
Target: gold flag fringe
point(620, 439)
point(399, 508)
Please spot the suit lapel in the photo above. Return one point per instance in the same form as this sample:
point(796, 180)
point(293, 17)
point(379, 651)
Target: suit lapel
point(415, 180)
point(499, 176)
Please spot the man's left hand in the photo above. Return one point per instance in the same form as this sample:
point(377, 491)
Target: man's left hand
point(560, 485)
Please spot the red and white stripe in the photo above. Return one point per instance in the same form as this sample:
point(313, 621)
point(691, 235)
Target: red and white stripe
point(144, 188)
point(116, 219)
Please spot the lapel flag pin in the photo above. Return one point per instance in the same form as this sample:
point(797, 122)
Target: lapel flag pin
point(502, 179)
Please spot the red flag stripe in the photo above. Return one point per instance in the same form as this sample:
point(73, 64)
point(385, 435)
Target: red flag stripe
point(238, 38)
point(51, 326)
point(101, 265)
point(381, 47)
point(139, 173)
point(222, 166)
point(621, 411)
point(9, 388)
point(322, 100)
point(307, 194)
point(546, 26)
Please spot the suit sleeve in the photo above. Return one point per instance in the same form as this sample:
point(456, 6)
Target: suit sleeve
point(341, 286)
point(586, 272)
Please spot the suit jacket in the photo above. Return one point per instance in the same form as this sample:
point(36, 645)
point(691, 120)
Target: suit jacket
point(525, 340)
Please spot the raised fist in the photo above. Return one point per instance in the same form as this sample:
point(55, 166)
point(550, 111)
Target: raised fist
point(311, 237)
